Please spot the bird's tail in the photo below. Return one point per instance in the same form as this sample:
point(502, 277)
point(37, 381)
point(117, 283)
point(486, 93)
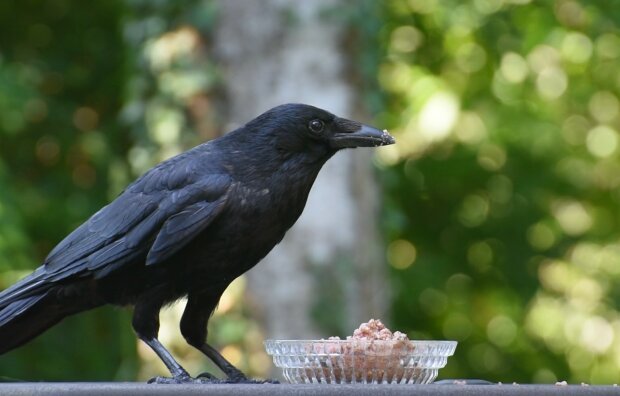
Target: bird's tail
point(23, 320)
point(28, 308)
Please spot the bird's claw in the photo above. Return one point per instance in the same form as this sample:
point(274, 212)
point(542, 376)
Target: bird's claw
point(165, 380)
point(207, 376)
point(237, 377)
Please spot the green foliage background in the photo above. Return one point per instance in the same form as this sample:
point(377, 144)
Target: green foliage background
point(500, 196)
point(502, 193)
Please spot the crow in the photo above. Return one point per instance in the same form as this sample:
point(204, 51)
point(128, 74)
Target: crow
point(186, 228)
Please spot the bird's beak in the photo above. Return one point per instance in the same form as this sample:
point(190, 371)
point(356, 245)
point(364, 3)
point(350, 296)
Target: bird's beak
point(359, 135)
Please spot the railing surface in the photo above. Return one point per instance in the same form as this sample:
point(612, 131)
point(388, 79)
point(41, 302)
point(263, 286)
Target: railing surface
point(134, 388)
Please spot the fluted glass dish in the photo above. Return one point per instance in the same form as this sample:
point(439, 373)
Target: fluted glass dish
point(359, 361)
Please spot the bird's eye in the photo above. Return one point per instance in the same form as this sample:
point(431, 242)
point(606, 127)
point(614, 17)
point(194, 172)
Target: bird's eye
point(316, 126)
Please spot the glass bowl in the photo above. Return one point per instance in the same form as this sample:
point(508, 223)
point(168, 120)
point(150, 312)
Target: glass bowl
point(359, 361)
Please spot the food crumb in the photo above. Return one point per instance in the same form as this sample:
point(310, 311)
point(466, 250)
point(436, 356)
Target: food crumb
point(584, 384)
point(374, 329)
point(561, 383)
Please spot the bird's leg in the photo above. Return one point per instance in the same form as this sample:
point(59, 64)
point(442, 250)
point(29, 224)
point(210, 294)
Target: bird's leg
point(146, 325)
point(179, 374)
point(233, 373)
point(194, 329)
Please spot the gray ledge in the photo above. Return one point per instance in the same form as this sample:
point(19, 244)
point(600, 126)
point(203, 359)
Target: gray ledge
point(136, 388)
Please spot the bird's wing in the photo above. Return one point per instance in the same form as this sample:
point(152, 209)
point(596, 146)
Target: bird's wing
point(182, 227)
point(110, 224)
point(161, 212)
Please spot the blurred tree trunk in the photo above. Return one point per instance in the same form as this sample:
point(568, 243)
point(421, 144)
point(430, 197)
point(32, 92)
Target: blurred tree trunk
point(328, 274)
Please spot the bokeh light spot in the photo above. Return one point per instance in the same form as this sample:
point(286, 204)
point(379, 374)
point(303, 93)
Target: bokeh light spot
point(47, 150)
point(459, 284)
point(577, 47)
point(439, 115)
point(422, 6)
point(172, 45)
point(585, 294)
point(401, 254)
point(572, 216)
point(470, 128)
point(474, 210)
point(164, 124)
point(470, 57)
point(602, 141)
point(570, 13)
point(597, 335)
point(542, 57)
point(488, 6)
point(551, 82)
point(405, 39)
point(501, 330)
point(491, 157)
point(603, 106)
point(396, 77)
point(480, 256)
point(85, 119)
point(514, 68)
point(555, 275)
point(545, 320)
point(541, 236)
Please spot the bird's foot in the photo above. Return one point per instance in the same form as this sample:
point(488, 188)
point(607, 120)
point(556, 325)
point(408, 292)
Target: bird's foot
point(208, 378)
point(169, 380)
point(248, 381)
point(185, 379)
point(267, 381)
point(235, 378)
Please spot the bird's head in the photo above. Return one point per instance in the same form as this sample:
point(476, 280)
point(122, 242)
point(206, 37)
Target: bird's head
point(308, 129)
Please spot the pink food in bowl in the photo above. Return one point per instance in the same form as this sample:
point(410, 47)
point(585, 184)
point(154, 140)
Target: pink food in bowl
point(372, 352)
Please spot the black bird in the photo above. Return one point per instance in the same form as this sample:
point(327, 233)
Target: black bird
point(186, 228)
